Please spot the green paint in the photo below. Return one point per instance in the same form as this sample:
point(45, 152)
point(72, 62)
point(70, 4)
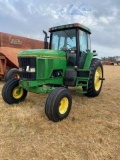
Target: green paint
point(51, 65)
point(88, 60)
point(43, 53)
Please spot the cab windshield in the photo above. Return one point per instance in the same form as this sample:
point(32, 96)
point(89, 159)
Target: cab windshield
point(64, 40)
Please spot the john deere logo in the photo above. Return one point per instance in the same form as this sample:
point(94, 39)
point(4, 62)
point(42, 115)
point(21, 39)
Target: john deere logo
point(15, 41)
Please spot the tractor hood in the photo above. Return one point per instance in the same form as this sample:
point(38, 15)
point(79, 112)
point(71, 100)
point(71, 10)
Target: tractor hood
point(44, 53)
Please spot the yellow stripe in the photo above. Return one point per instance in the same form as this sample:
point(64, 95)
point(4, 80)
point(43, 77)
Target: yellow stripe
point(42, 56)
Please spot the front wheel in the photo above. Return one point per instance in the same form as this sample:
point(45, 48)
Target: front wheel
point(96, 78)
point(11, 74)
point(12, 93)
point(58, 104)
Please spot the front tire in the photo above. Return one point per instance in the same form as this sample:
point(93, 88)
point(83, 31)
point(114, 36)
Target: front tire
point(12, 73)
point(12, 93)
point(96, 78)
point(58, 104)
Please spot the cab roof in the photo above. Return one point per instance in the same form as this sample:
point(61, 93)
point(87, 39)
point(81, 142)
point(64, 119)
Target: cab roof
point(68, 26)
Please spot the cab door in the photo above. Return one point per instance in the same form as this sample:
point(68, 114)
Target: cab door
point(84, 44)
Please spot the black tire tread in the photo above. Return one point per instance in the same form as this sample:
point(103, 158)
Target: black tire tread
point(50, 104)
point(9, 74)
point(7, 92)
point(91, 92)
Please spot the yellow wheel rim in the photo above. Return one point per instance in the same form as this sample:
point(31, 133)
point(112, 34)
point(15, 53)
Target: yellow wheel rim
point(63, 105)
point(17, 92)
point(97, 81)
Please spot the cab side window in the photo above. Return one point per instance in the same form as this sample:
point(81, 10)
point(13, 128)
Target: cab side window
point(83, 41)
point(89, 42)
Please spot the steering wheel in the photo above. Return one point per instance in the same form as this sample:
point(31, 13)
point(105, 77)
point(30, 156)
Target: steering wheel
point(71, 48)
point(69, 45)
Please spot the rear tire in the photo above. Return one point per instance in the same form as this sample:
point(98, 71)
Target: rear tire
point(12, 73)
point(58, 104)
point(95, 83)
point(12, 93)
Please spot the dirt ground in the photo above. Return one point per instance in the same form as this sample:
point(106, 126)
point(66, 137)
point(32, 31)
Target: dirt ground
point(90, 132)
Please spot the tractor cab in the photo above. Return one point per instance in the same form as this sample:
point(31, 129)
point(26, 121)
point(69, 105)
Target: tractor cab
point(74, 39)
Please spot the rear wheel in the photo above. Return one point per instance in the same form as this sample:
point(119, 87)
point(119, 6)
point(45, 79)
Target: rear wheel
point(96, 78)
point(12, 93)
point(12, 73)
point(58, 104)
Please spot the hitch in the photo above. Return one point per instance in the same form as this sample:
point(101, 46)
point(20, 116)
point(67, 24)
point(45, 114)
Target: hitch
point(102, 79)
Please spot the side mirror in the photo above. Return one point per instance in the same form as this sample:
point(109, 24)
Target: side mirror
point(94, 51)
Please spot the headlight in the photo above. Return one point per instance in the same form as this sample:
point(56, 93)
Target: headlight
point(27, 69)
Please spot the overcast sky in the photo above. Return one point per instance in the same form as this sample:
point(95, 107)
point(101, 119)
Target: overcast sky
point(29, 17)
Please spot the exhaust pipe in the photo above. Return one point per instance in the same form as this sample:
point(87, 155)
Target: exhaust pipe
point(45, 40)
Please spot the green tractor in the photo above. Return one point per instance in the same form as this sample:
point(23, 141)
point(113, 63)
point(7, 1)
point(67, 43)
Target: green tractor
point(67, 63)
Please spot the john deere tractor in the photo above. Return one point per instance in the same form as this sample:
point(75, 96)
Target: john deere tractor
point(67, 63)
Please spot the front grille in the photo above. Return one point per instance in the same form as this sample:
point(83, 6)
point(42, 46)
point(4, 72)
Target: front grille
point(24, 63)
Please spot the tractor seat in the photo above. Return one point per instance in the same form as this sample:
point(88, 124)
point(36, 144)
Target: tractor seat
point(64, 48)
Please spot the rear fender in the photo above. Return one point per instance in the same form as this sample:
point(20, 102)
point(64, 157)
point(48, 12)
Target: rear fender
point(88, 59)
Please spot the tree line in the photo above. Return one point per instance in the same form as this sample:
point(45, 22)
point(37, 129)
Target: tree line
point(111, 59)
